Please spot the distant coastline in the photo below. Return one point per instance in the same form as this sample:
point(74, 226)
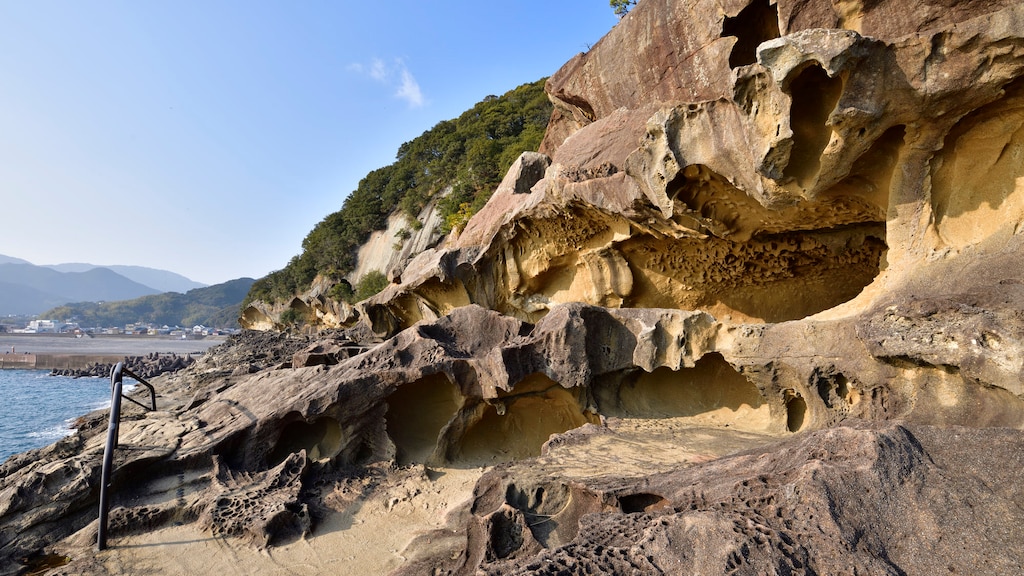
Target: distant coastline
point(57, 351)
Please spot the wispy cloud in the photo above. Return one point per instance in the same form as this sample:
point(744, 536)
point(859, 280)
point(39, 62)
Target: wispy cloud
point(410, 90)
point(379, 70)
point(394, 74)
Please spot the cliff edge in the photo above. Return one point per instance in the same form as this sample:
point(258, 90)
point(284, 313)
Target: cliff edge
point(755, 307)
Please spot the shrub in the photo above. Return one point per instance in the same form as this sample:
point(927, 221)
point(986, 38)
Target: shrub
point(370, 284)
point(342, 291)
point(292, 317)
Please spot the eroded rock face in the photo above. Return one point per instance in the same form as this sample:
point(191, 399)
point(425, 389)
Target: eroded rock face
point(783, 191)
point(314, 308)
point(259, 507)
point(853, 499)
point(737, 318)
point(685, 52)
point(387, 251)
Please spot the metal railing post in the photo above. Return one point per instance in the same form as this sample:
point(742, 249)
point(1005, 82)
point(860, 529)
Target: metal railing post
point(116, 385)
point(113, 429)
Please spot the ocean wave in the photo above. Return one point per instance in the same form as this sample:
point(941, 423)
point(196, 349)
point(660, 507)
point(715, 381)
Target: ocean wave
point(40, 409)
point(100, 405)
point(50, 434)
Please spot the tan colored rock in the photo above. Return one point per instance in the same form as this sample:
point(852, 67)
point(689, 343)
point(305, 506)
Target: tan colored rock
point(875, 498)
point(314, 308)
point(387, 251)
point(789, 183)
point(757, 311)
point(685, 52)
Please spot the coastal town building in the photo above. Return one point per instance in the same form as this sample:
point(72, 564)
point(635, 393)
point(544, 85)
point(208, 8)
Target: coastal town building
point(41, 327)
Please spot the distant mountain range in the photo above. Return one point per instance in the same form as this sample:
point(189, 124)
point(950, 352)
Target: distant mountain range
point(27, 289)
point(215, 306)
point(12, 260)
point(160, 280)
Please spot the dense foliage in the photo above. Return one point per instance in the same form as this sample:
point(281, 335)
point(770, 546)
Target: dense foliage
point(214, 306)
point(470, 154)
point(621, 7)
point(373, 282)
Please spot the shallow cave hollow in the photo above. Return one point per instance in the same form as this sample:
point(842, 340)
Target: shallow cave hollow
point(712, 392)
point(796, 411)
point(643, 502)
point(758, 22)
point(417, 414)
point(815, 95)
point(321, 438)
point(768, 264)
point(516, 425)
point(977, 177)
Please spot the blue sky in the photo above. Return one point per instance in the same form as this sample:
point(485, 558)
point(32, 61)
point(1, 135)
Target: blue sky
point(209, 137)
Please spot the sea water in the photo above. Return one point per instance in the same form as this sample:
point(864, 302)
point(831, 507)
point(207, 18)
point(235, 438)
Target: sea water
point(37, 409)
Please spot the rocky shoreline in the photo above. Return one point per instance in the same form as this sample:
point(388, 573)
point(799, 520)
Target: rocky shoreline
point(755, 308)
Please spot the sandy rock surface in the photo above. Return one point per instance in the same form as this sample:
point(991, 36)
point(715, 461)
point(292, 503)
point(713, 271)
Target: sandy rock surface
point(753, 309)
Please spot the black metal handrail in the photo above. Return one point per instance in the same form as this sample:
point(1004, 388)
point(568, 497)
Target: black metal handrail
point(116, 385)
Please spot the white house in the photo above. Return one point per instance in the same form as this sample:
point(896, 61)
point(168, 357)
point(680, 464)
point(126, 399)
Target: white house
point(43, 327)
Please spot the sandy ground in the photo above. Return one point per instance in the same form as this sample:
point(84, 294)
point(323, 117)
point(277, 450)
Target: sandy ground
point(373, 527)
point(368, 537)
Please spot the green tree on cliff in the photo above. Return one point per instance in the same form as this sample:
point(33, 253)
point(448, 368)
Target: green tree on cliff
point(470, 154)
point(621, 7)
point(373, 282)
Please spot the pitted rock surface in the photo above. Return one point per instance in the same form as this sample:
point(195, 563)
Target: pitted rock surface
point(755, 308)
point(259, 507)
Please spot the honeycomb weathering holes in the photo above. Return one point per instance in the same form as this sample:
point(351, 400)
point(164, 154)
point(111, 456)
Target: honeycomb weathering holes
point(767, 264)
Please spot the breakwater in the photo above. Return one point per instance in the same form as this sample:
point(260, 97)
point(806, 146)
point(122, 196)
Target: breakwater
point(148, 366)
point(29, 361)
point(66, 353)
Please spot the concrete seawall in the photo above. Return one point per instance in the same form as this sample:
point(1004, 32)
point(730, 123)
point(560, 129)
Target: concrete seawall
point(56, 361)
point(66, 352)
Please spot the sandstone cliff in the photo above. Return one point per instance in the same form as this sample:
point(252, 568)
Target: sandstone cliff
point(389, 250)
point(754, 308)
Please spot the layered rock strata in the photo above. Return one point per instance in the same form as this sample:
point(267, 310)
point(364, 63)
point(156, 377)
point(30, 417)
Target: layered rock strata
point(754, 309)
point(805, 175)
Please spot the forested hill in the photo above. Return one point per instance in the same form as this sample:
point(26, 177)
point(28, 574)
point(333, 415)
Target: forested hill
point(470, 153)
point(214, 306)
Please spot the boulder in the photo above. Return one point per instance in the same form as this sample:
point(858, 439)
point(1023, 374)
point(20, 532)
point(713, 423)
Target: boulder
point(755, 309)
